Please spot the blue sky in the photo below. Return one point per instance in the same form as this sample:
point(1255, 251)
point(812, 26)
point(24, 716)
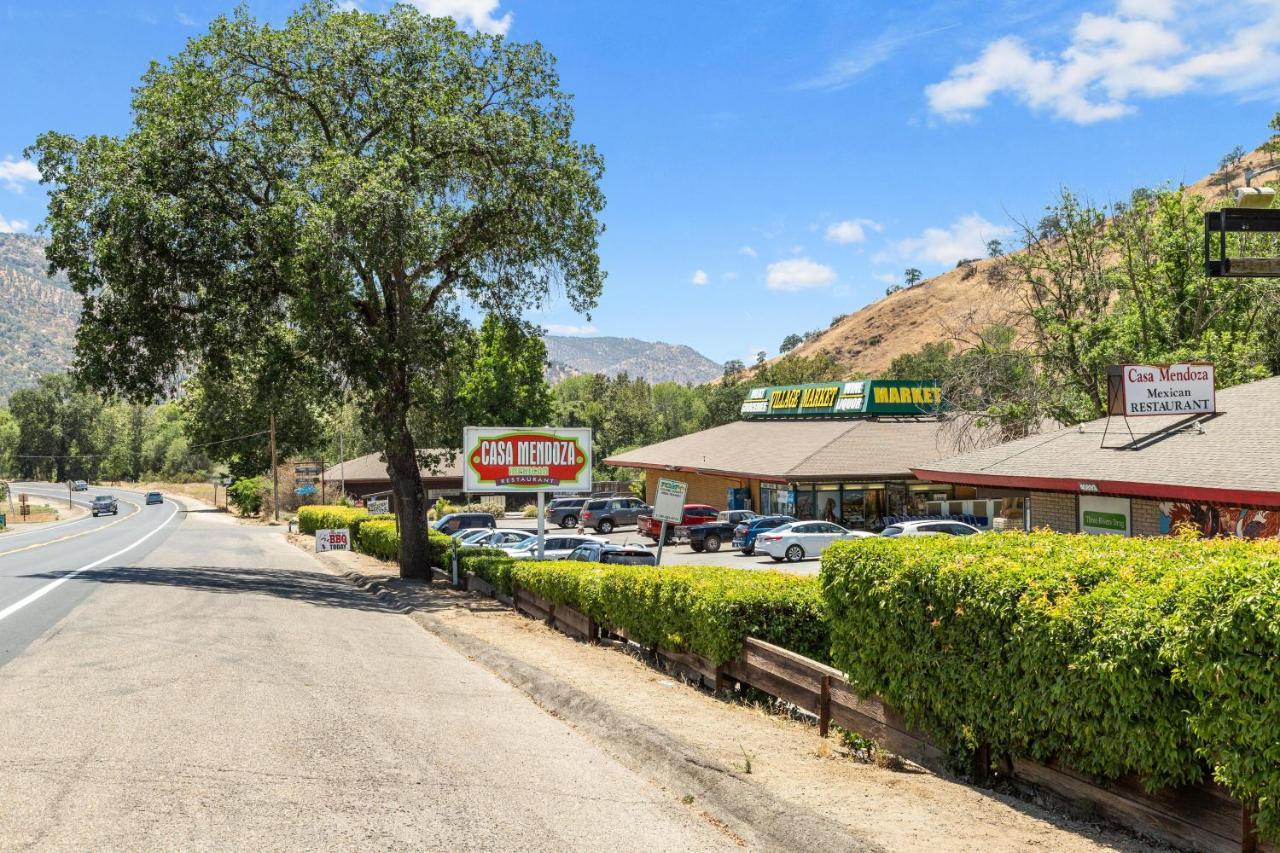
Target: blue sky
point(772, 164)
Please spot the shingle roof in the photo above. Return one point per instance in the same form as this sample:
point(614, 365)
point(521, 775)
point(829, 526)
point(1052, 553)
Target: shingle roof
point(373, 467)
point(1233, 455)
point(789, 450)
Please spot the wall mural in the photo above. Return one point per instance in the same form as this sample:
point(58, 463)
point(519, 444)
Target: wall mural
point(1217, 520)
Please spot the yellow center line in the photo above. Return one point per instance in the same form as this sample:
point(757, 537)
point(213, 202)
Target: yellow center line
point(34, 545)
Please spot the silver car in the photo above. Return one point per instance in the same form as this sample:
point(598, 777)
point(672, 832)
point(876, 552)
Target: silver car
point(930, 528)
point(606, 514)
point(557, 547)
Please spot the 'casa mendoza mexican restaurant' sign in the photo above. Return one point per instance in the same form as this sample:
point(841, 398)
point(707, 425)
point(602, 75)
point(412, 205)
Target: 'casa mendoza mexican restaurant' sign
point(1140, 390)
point(520, 459)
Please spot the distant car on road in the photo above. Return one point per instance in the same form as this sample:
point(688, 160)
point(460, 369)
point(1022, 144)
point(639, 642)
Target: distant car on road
point(621, 555)
point(709, 536)
point(793, 542)
point(104, 505)
point(455, 521)
point(565, 511)
point(79, 486)
point(556, 547)
point(154, 498)
point(604, 514)
point(744, 535)
point(930, 528)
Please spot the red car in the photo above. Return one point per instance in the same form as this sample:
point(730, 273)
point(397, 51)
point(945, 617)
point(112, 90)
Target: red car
point(647, 525)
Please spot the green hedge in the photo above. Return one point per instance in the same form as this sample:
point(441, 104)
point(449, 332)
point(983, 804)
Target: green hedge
point(323, 517)
point(703, 609)
point(1112, 655)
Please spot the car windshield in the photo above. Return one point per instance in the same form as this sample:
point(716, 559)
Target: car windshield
point(596, 505)
point(102, 499)
point(891, 530)
point(525, 545)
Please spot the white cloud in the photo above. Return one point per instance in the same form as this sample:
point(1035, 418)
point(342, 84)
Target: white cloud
point(863, 58)
point(561, 329)
point(748, 251)
point(1141, 50)
point(966, 238)
point(12, 226)
point(15, 173)
point(798, 274)
point(851, 230)
point(188, 21)
point(886, 277)
point(699, 277)
point(478, 14)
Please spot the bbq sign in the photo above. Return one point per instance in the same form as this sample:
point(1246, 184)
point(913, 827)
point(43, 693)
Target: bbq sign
point(515, 459)
point(1140, 390)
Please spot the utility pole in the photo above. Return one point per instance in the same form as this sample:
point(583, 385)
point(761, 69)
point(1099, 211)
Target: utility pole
point(342, 465)
point(275, 472)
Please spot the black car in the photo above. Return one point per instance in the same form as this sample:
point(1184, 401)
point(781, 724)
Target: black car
point(455, 521)
point(619, 555)
point(710, 536)
point(104, 505)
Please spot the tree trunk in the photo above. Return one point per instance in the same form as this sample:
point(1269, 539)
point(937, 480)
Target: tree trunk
point(411, 506)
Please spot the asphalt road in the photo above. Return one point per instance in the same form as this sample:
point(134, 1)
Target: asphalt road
point(212, 687)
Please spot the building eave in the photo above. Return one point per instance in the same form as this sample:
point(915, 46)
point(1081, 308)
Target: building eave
point(1122, 488)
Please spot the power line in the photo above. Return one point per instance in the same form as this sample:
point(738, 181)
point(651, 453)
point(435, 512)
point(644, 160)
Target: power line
point(105, 455)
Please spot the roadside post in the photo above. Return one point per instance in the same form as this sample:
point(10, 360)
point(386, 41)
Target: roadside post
point(455, 561)
point(527, 459)
point(668, 507)
point(70, 485)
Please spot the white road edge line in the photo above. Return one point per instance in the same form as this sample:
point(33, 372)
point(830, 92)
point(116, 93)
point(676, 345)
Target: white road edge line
point(52, 585)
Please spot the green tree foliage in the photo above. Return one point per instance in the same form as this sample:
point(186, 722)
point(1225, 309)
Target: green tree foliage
point(790, 342)
point(505, 383)
point(356, 176)
point(248, 494)
point(912, 276)
point(57, 436)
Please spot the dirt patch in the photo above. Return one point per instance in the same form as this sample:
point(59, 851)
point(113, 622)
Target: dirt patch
point(899, 809)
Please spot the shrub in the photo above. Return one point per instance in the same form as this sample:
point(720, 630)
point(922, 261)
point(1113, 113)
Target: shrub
point(247, 494)
point(531, 511)
point(327, 517)
point(1112, 655)
point(380, 538)
point(703, 609)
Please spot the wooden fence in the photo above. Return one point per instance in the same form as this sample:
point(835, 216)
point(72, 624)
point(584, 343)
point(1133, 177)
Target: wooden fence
point(1201, 817)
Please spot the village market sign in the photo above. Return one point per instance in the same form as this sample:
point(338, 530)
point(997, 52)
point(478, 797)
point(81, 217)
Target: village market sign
point(514, 459)
point(845, 399)
point(1143, 390)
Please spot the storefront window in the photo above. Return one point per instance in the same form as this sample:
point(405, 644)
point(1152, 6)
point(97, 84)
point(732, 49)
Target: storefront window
point(828, 503)
point(804, 504)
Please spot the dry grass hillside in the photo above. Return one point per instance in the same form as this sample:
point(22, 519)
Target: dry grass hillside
point(957, 302)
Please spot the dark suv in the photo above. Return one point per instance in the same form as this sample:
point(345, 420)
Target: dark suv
point(455, 521)
point(565, 511)
point(104, 505)
point(604, 514)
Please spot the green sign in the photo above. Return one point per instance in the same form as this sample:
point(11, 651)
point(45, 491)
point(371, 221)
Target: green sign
point(1106, 521)
point(845, 399)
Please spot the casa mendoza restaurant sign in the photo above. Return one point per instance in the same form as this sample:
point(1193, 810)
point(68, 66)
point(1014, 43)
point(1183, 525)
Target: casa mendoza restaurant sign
point(517, 459)
point(1170, 389)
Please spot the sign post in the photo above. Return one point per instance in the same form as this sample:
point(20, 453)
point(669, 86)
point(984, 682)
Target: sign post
point(668, 507)
point(527, 459)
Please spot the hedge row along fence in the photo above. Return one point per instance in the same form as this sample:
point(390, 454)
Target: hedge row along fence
point(377, 536)
point(1111, 656)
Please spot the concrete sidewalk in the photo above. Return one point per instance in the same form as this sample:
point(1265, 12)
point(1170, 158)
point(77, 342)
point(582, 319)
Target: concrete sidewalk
point(228, 693)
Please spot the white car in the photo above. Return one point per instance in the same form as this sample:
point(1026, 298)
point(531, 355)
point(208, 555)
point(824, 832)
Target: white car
point(467, 534)
point(799, 539)
point(557, 547)
point(930, 528)
point(499, 539)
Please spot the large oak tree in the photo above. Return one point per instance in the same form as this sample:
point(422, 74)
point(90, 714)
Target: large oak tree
point(363, 178)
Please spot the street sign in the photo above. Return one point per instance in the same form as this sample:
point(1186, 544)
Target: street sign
point(518, 459)
point(378, 506)
point(333, 540)
point(305, 489)
point(668, 503)
point(307, 470)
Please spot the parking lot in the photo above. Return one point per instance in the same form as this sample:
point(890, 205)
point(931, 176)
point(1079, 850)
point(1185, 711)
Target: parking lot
point(678, 554)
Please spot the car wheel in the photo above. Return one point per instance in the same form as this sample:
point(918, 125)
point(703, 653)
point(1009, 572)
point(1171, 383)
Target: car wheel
point(698, 548)
point(713, 543)
point(775, 559)
point(749, 551)
point(795, 554)
point(569, 521)
point(605, 525)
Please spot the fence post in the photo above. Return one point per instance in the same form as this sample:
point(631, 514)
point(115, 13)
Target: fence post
point(1248, 832)
point(982, 762)
point(824, 706)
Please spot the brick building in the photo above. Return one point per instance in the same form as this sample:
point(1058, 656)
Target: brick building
point(1218, 472)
